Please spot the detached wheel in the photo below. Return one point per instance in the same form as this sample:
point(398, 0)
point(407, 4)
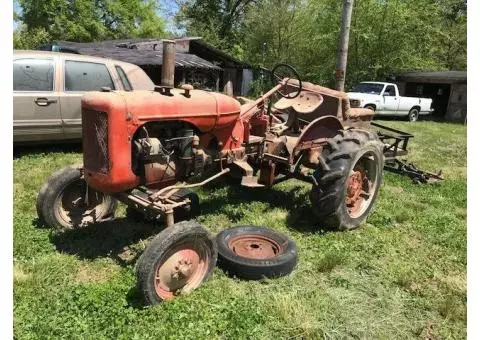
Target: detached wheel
point(176, 262)
point(348, 178)
point(66, 202)
point(252, 252)
point(413, 115)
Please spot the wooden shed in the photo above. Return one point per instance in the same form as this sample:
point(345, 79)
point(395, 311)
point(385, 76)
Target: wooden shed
point(448, 90)
point(196, 62)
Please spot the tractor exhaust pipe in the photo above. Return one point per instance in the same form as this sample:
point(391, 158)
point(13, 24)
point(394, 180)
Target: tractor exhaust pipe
point(168, 66)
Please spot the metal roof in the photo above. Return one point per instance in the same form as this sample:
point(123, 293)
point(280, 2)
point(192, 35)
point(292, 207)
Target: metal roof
point(134, 51)
point(441, 76)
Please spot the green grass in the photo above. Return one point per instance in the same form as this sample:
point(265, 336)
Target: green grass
point(401, 275)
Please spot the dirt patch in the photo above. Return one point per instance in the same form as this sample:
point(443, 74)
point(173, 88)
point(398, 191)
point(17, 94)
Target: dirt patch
point(395, 190)
point(91, 274)
point(19, 275)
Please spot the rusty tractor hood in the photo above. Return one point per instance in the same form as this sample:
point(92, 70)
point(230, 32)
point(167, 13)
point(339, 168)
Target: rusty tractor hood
point(206, 110)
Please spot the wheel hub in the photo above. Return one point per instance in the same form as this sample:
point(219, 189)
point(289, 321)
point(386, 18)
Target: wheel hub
point(254, 247)
point(182, 271)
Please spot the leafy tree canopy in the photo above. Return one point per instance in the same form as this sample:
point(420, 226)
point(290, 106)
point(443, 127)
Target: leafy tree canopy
point(85, 20)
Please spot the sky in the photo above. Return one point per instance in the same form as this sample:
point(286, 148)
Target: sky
point(168, 10)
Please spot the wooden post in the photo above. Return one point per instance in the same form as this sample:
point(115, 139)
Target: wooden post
point(343, 46)
point(168, 64)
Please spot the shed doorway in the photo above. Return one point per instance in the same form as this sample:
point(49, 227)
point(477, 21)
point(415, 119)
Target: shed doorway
point(439, 93)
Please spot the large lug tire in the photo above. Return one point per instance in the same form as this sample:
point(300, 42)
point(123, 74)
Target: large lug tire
point(413, 115)
point(182, 213)
point(61, 202)
point(348, 178)
point(176, 262)
point(252, 253)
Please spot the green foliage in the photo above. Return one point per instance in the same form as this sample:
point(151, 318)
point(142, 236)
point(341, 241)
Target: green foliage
point(386, 37)
point(86, 20)
point(218, 22)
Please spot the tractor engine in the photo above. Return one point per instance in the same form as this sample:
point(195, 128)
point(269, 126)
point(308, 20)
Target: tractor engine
point(154, 139)
point(165, 153)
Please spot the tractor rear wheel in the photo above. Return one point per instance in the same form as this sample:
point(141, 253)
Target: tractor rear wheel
point(66, 202)
point(176, 261)
point(348, 178)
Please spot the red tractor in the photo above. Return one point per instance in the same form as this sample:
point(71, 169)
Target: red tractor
point(147, 148)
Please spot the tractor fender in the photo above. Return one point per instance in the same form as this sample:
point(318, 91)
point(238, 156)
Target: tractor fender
point(321, 128)
point(314, 134)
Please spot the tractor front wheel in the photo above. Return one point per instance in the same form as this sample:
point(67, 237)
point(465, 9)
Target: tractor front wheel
point(348, 179)
point(176, 261)
point(66, 202)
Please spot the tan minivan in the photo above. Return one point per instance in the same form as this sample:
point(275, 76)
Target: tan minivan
point(48, 86)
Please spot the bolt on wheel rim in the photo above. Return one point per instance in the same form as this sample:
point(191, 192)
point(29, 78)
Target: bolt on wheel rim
point(182, 269)
point(254, 247)
point(71, 207)
point(361, 185)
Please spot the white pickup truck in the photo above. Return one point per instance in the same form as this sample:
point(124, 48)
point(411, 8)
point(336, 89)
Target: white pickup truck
point(384, 99)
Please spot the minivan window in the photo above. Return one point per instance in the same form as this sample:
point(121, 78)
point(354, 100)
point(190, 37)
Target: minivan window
point(123, 77)
point(86, 76)
point(33, 75)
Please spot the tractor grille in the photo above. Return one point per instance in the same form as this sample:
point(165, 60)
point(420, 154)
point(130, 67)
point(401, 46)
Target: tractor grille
point(95, 141)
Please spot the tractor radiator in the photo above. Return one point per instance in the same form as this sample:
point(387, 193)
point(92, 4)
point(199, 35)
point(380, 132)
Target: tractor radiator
point(95, 141)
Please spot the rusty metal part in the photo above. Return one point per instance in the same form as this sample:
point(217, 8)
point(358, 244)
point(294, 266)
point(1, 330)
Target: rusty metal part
point(168, 64)
point(170, 190)
point(160, 172)
point(306, 102)
point(79, 205)
point(409, 169)
point(395, 145)
point(361, 184)
point(267, 173)
point(183, 269)
point(254, 246)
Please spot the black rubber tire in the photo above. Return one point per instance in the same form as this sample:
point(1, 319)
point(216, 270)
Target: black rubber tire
point(413, 115)
point(336, 162)
point(55, 186)
point(182, 213)
point(371, 107)
point(159, 247)
point(256, 269)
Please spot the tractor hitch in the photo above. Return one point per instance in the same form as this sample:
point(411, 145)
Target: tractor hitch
point(396, 143)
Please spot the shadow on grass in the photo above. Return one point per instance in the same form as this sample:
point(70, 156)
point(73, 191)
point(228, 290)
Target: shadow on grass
point(300, 215)
point(35, 149)
point(116, 239)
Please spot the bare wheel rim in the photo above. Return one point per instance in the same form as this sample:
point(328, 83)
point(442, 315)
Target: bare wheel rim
point(71, 207)
point(254, 247)
point(361, 185)
point(182, 269)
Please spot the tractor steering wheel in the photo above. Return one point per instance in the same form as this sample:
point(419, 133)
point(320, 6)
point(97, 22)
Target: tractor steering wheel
point(281, 71)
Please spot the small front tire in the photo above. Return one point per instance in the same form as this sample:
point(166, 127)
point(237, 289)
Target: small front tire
point(66, 202)
point(176, 262)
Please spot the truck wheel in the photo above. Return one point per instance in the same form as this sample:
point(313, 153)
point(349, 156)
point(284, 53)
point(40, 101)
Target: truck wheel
point(175, 262)
point(61, 202)
point(413, 115)
point(348, 179)
point(252, 252)
point(371, 107)
point(182, 213)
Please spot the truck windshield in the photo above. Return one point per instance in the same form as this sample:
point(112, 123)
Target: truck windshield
point(368, 88)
